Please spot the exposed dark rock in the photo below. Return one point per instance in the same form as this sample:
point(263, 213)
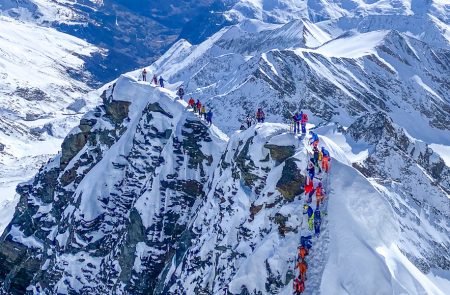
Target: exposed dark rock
point(117, 111)
point(254, 209)
point(31, 94)
point(280, 153)
point(71, 146)
point(291, 181)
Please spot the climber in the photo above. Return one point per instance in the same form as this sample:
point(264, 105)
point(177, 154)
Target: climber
point(325, 152)
point(311, 169)
point(302, 268)
point(161, 81)
point(180, 92)
point(319, 195)
point(317, 222)
point(297, 118)
point(260, 116)
point(316, 156)
point(299, 286)
point(209, 117)
point(325, 160)
point(144, 75)
point(305, 241)
point(191, 102)
point(249, 120)
point(155, 80)
point(309, 190)
point(320, 156)
point(302, 252)
point(199, 106)
point(309, 211)
point(303, 122)
point(203, 112)
point(314, 140)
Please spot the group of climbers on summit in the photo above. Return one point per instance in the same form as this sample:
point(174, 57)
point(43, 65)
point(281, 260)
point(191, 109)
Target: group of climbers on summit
point(300, 119)
point(154, 79)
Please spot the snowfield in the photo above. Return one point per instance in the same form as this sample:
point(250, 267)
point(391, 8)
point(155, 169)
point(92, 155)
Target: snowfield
point(36, 94)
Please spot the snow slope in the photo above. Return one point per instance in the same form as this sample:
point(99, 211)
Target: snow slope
point(41, 72)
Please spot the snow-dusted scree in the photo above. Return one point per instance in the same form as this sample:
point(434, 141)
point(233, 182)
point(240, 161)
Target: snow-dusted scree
point(145, 198)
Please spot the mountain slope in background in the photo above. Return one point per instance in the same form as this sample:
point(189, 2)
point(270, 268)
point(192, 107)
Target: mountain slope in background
point(40, 93)
point(336, 73)
point(134, 33)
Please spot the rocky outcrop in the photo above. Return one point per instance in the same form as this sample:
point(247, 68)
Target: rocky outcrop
point(292, 180)
point(280, 153)
point(166, 159)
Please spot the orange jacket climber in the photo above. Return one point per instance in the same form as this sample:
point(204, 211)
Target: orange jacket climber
point(302, 252)
point(302, 267)
point(325, 164)
point(319, 193)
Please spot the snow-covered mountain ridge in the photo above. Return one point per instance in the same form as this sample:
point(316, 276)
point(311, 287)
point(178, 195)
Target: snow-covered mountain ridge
point(145, 198)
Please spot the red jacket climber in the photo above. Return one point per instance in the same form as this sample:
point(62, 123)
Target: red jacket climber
point(191, 102)
point(299, 286)
point(309, 186)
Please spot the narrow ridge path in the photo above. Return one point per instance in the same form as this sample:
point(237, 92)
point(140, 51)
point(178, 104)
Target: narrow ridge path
point(318, 243)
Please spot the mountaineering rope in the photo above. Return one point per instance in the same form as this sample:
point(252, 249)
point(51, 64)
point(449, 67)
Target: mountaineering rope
point(317, 160)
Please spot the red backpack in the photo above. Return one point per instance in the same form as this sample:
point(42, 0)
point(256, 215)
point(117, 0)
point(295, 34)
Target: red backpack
point(305, 117)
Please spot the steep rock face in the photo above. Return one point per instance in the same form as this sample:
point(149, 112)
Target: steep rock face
point(415, 180)
point(44, 199)
point(245, 215)
point(108, 211)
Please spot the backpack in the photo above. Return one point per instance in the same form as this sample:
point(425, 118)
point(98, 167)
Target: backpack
point(305, 117)
point(320, 156)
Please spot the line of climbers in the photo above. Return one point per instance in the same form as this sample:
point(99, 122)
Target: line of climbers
point(200, 108)
point(155, 79)
point(319, 161)
point(312, 219)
